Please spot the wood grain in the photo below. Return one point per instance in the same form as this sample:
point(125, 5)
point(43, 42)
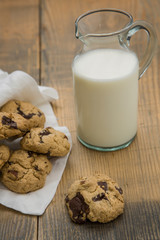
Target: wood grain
point(43, 34)
point(19, 36)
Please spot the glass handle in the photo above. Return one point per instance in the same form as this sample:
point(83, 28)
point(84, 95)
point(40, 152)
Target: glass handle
point(151, 43)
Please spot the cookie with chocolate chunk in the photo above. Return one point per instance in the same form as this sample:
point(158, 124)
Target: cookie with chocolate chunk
point(96, 198)
point(25, 171)
point(4, 155)
point(27, 111)
point(47, 141)
point(12, 125)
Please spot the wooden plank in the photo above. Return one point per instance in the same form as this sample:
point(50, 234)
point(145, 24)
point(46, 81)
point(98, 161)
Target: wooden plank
point(19, 50)
point(136, 168)
point(19, 36)
point(14, 225)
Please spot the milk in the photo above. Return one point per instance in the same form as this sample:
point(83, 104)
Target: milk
point(106, 96)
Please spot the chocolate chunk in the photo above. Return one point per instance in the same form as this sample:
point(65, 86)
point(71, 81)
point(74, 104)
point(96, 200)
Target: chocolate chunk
point(39, 114)
point(99, 197)
point(9, 122)
point(119, 190)
point(36, 168)
point(103, 185)
point(79, 208)
point(14, 172)
point(43, 133)
point(27, 116)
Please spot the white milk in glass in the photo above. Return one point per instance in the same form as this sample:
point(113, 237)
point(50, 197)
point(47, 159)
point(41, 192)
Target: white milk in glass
point(106, 96)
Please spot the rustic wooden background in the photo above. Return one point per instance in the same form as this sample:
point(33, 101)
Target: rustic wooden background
point(37, 36)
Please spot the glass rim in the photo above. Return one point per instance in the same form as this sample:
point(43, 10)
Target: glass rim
point(104, 10)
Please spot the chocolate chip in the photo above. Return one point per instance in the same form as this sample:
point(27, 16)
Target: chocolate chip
point(79, 208)
point(103, 185)
point(39, 114)
point(119, 190)
point(9, 122)
point(99, 197)
point(14, 172)
point(27, 116)
point(45, 132)
point(36, 168)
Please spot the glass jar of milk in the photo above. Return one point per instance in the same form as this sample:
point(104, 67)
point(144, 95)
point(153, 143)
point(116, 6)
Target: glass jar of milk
point(105, 78)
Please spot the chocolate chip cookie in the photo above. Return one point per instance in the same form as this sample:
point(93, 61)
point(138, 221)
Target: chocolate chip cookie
point(25, 171)
point(29, 112)
point(12, 125)
point(4, 155)
point(47, 141)
point(97, 198)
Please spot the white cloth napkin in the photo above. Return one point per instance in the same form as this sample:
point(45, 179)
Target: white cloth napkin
point(19, 85)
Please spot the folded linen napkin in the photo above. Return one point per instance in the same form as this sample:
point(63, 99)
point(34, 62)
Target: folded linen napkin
point(21, 86)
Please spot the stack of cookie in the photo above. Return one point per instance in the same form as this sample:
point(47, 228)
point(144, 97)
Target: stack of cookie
point(25, 170)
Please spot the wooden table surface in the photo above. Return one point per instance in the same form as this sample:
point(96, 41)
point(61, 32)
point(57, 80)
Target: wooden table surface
point(37, 36)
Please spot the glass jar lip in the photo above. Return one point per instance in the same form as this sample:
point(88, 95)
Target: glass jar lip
point(104, 10)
